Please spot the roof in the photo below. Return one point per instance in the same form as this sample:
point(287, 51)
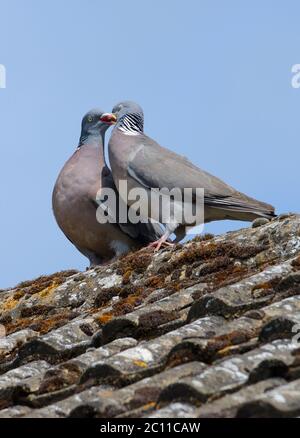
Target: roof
point(205, 329)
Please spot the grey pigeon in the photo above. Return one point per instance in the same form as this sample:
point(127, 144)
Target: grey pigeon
point(74, 199)
point(141, 161)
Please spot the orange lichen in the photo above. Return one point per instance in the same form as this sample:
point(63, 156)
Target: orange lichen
point(9, 304)
point(105, 318)
point(41, 283)
point(148, 406)
point(155, 281)
point(126, 305)
point(130, 296)
point(266, 284)
point(40, 323)
point(43, 286)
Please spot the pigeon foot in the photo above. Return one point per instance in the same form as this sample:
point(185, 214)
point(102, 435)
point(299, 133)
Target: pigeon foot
point(160, 243)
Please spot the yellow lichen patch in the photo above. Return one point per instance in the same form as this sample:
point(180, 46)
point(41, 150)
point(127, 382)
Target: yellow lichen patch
point(47, 291)
point(9, 304)
point(40, 323)
point(140, 363)
point(41, 283)
point(225, 351)
point(126, 276)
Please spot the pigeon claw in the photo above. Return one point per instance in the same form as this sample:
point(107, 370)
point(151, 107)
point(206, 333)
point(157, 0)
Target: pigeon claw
point(160, 243)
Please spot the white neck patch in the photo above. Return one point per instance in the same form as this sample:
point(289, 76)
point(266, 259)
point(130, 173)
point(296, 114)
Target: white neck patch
point(131, 124)
point(127, 131)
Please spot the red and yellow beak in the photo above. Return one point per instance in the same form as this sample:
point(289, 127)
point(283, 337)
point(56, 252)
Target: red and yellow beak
point(109, 118)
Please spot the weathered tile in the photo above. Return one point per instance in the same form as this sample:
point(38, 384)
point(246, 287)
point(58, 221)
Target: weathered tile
point(283, 401)
point(175, 410)
point(142, 394)
point(147, 357)
point(15, 412)
point(269, 323)
point(146, 319)
point(62, 343)
point(228, 405)
point(244, 295)
point(63, 408)
point(211, 325)
point(10, 345)
point(231, 374)
point(60, 381)
point(16, 380)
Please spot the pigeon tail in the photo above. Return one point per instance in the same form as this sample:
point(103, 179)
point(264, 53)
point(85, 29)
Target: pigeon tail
point(243, 208)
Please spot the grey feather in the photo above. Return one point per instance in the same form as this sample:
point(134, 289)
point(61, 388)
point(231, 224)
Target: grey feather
point(75, 206)
point(143, 162)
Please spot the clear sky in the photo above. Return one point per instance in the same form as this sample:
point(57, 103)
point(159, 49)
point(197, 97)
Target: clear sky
point(213, 77)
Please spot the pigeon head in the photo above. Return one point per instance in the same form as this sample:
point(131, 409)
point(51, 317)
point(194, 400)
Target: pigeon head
point(129, 117)
point(92, 125)
point(127, 107)
point(93, 121)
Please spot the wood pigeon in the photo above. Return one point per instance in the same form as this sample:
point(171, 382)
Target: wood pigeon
point(141, 161)
point(75, 202)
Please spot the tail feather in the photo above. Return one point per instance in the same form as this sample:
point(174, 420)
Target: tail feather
point(244, 205)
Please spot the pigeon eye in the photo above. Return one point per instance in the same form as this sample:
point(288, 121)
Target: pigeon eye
point(90, 118)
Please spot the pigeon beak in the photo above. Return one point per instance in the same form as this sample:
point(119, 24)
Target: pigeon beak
point(109, 118)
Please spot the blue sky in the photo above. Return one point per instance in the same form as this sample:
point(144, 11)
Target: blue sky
point(213, 77)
